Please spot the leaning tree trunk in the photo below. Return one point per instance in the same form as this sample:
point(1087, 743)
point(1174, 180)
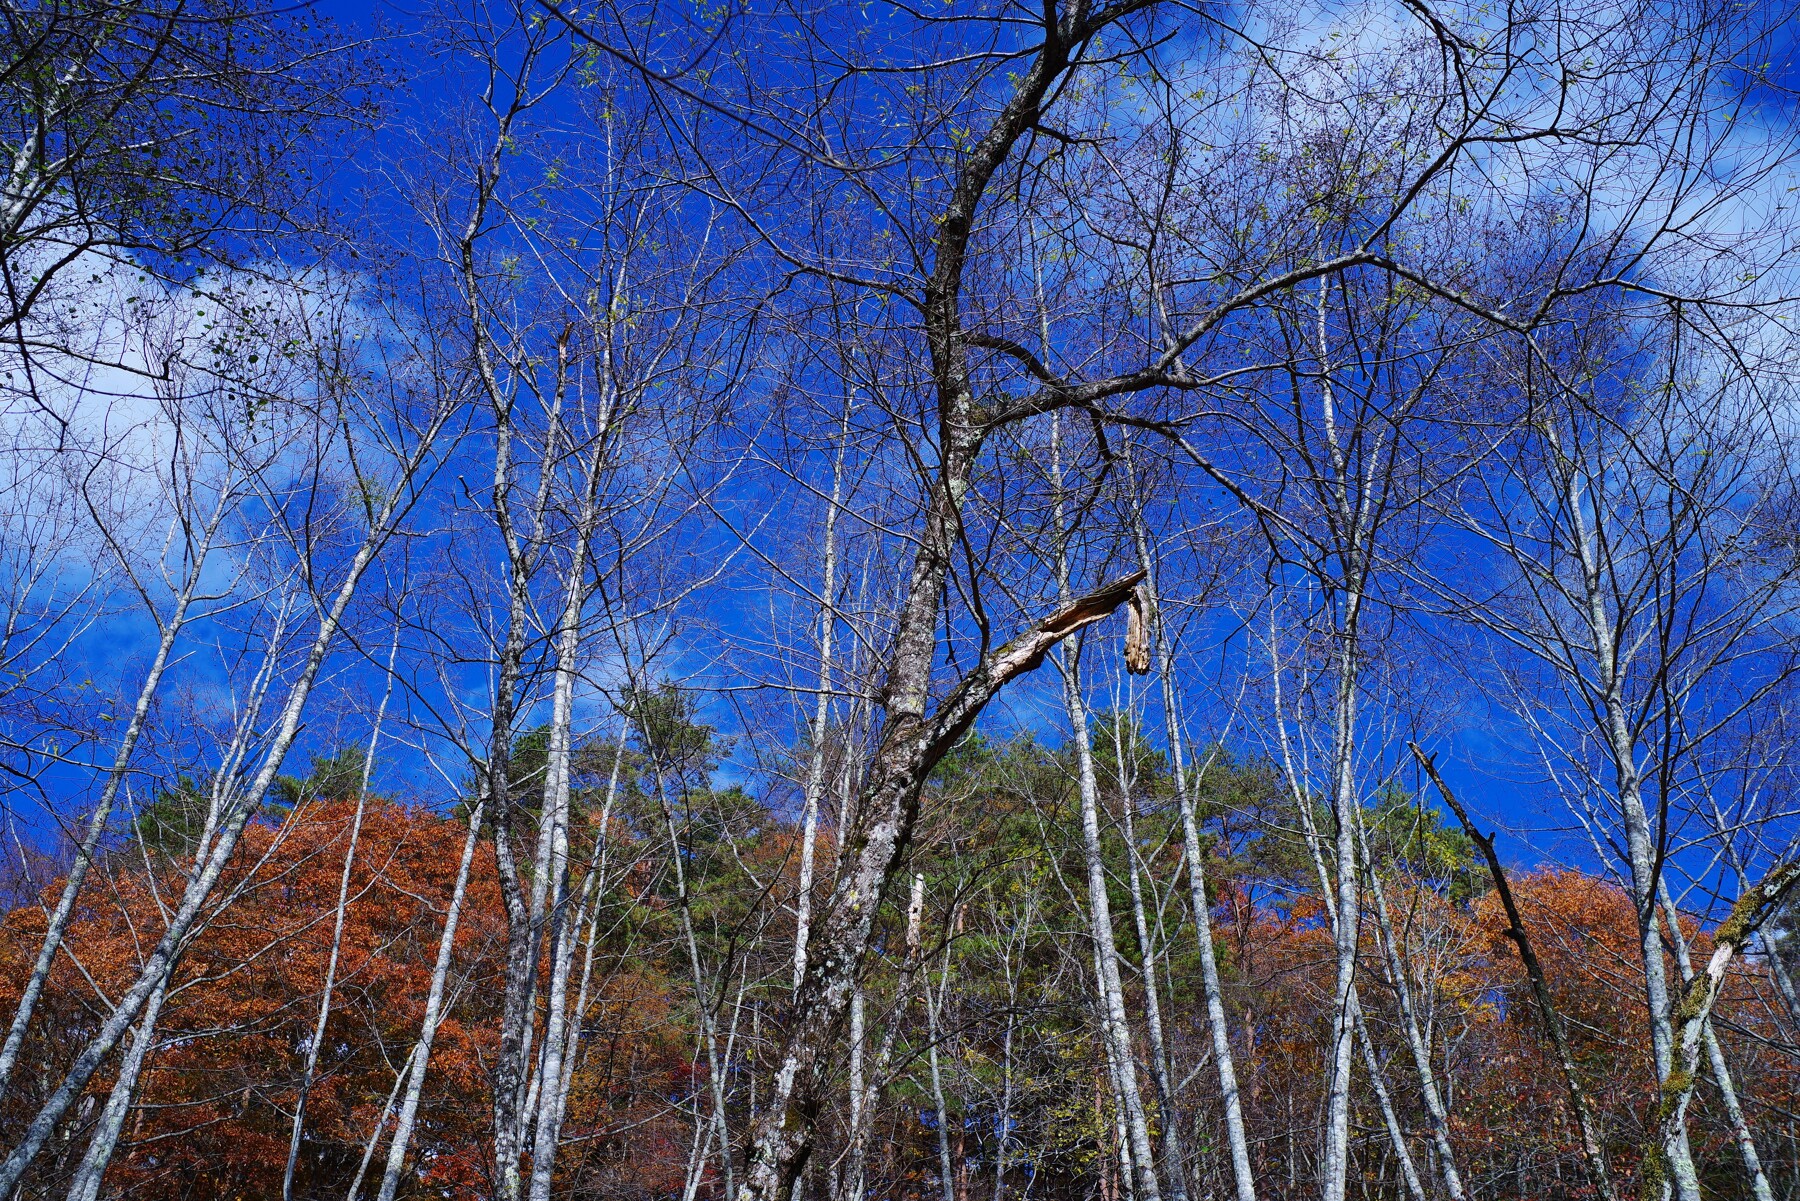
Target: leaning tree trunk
point(1592, 1150)
point(1753, 908)
point(912, 743)
point(1236, 1137)
point(337, 936)
point(1715, 1057)
point(1395, 963)
point(434, 1004)
point(206, 874)
point(915, 737)
point(1409, 1172)
point(98, 823)
point(105, 1140)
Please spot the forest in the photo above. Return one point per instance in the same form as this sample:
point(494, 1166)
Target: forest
point(908, 600)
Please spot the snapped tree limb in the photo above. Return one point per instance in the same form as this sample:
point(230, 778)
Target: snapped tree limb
point(1753, 908)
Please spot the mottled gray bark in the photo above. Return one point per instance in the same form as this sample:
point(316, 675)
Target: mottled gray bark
point(1753, 908)
point(914, 737)
point(104, 1142)
point(1715, 1058)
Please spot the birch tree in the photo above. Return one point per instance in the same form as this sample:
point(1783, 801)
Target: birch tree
point(388, 466)
point(1618, 513)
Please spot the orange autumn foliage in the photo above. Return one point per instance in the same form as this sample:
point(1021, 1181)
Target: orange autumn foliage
point(216, 1100)
point(1509, 1117)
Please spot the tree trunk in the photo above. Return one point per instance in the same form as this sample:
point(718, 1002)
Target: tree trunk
point(1347, 907)
point(815, 766)
point(1396, 1132)
point(1715, 1056)
point(1243, 1174)
point(913, 741)
point(1415, 1039)
point(703, 994)
point(105, 1140)
point(1114, 1025)
point(58, 923)
point(1752, 909)
point(1174, 1159)
point(1640, 840)
point(337, 936)
point(434, 1001)
point(933, 1003)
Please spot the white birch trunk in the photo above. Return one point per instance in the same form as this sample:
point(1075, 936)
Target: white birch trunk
point(863, 1109)
point(593, 899)
point(554, 860)
point(1351, 543)
point(58, 922)
point(1334, 1157)
point(1347, 907)
point(387, 1109)
point(933, 1003)
point(1715, 1057)
point(1640, 841)
point(709, 1034)
point(434, 1001)
point(337, 936)
point(1115, 1027)
point(1409, 1173)
point(1003, 1135)
point(1114, 1024)
point(853, 1184)
point(105, 1139)
point(231, 825)
point(1174, 1159)
point(1735, 933)
point(1243, 1174)
point(1395, 963)
point(815, 767)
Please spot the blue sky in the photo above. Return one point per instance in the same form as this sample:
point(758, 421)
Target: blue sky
point(1487, 754)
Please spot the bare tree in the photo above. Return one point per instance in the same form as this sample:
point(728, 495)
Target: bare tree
point(389, 461)
point(1618, 514)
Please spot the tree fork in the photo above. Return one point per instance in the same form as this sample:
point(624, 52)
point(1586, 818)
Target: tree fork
point(781, 1139)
